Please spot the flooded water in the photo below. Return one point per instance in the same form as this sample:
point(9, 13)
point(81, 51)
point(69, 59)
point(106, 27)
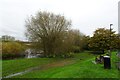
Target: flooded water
point(16, 74)
point(21, 73)
point(29, 54)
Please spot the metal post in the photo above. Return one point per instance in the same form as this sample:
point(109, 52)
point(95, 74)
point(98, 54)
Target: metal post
point(110, 39)
point(107, 61)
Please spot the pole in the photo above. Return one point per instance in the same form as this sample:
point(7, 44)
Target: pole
point(110, 38)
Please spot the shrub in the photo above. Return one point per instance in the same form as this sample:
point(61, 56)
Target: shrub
point(11, 50)
point(67, 55)
point(76, 49)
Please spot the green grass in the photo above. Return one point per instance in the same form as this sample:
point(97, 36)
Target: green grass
point(80, 66)
point(13, 66)
point(0, 68)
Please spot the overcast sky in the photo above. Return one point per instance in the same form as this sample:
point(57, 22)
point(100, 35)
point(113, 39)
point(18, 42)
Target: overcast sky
point(86, 15)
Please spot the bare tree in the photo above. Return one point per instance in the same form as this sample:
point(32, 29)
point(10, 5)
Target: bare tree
point(73, 41)
point(47, 30)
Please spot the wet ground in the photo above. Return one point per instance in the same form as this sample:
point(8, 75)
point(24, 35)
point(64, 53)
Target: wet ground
point(43, 67)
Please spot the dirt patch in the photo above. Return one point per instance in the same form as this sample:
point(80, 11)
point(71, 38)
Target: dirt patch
point(54, 64)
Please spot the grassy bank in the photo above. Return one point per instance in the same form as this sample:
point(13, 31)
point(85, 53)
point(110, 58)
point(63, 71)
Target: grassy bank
point(80, 66)
point(14, 66)
point(0, 68)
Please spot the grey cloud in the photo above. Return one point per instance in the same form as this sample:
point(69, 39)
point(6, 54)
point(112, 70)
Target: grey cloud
point(86, 15)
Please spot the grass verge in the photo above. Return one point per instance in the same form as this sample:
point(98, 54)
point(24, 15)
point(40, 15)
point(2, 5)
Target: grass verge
point(80, 66)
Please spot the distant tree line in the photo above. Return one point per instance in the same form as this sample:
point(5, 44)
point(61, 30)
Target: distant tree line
point(6, 38)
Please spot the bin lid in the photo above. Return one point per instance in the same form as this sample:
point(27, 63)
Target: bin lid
point(107, 56)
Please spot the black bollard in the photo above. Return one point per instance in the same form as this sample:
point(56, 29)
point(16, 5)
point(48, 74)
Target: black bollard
point(107, 62)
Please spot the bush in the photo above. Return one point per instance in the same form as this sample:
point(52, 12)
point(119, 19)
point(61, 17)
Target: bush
point(76, 49)
point(11, 50)
point(67, 55)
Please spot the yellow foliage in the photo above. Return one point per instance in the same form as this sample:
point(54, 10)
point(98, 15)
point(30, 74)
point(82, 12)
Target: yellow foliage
point(12, 47)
